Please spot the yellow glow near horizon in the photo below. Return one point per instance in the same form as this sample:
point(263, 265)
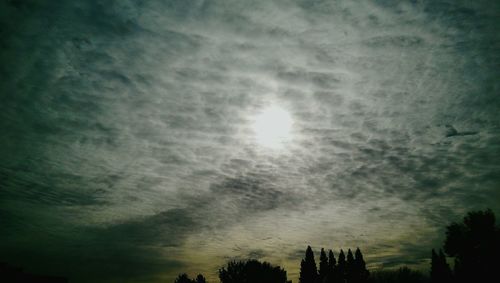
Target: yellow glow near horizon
point(272, 127)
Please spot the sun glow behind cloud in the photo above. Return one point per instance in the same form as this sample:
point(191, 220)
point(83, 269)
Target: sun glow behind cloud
point(272, 127)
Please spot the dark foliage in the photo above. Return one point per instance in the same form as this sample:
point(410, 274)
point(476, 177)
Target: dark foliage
point(308, 269)
point(252, 271)
point(323, 266)
point(200, 279)
point(350, 268)
point(184, 278)
point(440, 270)
point(341, 268)
point(361, 273)
point(402, 275)
point(475, 244)
point(332, 265)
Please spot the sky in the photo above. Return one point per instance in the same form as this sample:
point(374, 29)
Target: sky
point(142, 139)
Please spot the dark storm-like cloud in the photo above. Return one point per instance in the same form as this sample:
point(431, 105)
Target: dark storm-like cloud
point(127, 130)
point(129, 251)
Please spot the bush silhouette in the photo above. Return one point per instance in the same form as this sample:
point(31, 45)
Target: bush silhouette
point(252, 271)
point(401, 275)
point(184, 278)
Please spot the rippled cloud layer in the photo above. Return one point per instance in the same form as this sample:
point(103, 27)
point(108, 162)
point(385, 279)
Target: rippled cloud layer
point(129, 149)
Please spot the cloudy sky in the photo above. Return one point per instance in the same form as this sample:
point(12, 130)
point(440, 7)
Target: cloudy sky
point(141, 139)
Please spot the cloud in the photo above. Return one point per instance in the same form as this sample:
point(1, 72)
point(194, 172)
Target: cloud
point(127, 138)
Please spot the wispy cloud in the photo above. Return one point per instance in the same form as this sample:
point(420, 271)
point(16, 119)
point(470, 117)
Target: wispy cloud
point(127, 136)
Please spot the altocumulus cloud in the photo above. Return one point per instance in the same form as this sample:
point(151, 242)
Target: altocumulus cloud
point(127, 151)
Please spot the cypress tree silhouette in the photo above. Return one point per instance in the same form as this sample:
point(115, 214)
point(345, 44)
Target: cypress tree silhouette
point(440, 270)
point(435, 268)
point(362, 273)
point(341, 268)
point(332, 265)
point(350, 269)
point(308, 269)
point(447, 274)
point(323, 266)
point(475, 244)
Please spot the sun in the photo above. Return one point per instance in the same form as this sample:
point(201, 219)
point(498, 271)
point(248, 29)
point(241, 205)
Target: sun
point(272, 127)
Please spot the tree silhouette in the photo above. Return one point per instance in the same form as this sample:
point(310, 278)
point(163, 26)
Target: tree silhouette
point(475, 244)
point(252, 271)
point(402, 275)
point(332, 265)
point(308, 269)
point(341, 268)
point(435, 270)
point(440, 270)
point(323, 266)
point(200, 279)
point(350, 269)
point(361, 273)
point(183, 278)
